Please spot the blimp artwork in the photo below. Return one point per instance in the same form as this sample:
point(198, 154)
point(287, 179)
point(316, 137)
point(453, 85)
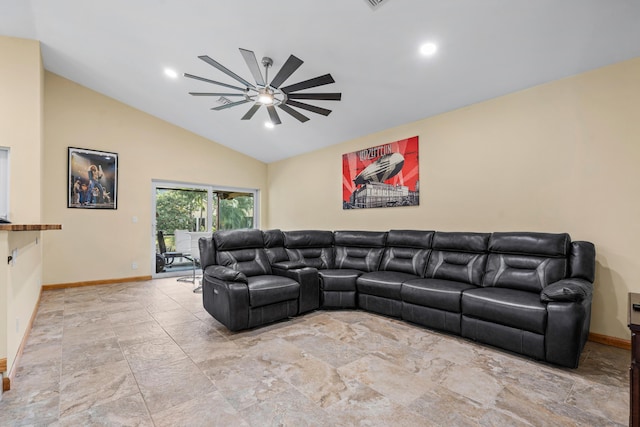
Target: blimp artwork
point(383, 176)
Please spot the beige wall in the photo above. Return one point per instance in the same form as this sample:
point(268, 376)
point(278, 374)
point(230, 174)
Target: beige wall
point(560, 157)
point(21, 124)
point(102, 244)
point(21, 86)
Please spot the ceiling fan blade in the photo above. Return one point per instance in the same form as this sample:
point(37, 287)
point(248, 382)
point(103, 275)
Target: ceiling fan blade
point(289, 67)
point(233, 104)
point(252, 63)
point(319, 96)
point(301, 117)
point(225, 70)
point(273, 115)
point(202, 79)
point(255, 107)
point(215, 94)
point(318, 81)
point(308, 107)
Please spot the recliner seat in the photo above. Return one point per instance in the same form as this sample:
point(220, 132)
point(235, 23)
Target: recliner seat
point(456, 265)
point(240, 290)
point(404, 258)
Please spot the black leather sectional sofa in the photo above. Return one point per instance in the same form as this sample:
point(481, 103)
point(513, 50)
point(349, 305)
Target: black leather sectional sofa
point(529, 293)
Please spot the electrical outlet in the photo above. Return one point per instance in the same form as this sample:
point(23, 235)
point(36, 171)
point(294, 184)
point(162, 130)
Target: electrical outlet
point(134, 265)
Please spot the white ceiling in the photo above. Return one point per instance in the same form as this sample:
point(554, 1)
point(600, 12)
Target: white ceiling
point(487, 48)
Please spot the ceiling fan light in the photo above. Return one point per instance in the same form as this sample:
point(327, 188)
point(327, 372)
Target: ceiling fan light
point(428, 49)
point(265, 98)
point(269, 125)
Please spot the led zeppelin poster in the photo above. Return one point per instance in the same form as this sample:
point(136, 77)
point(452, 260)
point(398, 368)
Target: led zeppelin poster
point(384, 176)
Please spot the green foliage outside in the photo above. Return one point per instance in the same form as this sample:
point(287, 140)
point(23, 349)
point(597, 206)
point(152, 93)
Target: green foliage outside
point(181, 210)
point(187, 210)
point(236, 213)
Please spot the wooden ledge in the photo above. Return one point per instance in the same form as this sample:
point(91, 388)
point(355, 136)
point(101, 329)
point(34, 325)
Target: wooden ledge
point(30, 227)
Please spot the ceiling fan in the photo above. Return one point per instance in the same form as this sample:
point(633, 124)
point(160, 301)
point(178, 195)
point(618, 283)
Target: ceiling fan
point(271, 94)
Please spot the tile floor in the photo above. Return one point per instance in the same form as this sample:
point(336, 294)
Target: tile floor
point(147, 354)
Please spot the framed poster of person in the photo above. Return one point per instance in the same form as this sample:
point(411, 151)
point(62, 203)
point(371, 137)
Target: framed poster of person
point(92, 179)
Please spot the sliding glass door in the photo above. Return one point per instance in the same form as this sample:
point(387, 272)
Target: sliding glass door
point(184, 212)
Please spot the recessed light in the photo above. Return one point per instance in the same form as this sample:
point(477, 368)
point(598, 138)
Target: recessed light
point(428, 49)
point(170, 73)
point(269, 125)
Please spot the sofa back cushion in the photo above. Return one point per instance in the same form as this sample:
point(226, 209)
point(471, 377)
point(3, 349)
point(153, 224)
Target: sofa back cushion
point(458, 256)
point(242, 250)
point(526, 261)
point(274, 246)
point(582, 261)
point(460, 241)
point(207, 251)
point(407, 251)
point(359, 250)
point(313, 247)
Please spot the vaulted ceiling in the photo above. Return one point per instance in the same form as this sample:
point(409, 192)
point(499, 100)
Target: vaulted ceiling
point(486, 48)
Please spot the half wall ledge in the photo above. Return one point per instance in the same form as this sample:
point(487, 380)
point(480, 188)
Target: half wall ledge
point(30, 227)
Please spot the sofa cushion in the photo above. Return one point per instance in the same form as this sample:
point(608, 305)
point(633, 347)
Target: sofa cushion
point(509, 307)
point(465, 267)
point(407, 251)
point(319, 258)
point(308, 239)
point(527, 273)
point(418, 239)
point(528, 243)
point(459, 241)
point(273, 238)
point(385, 284)
point(359, 250)
point(355, 258)
point(251, 262)
point(267, 289)
point(313, 247)
point(363, 239)
point(582, 261)
point(406, 260)
point(274, 246)
point(339, 279)
point(228, 240)
point(435, 293)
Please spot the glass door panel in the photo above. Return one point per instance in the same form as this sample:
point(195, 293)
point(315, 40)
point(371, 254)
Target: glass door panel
point(179, 211)
point(233, 210)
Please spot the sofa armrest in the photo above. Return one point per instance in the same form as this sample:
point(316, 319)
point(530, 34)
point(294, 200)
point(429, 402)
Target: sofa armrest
point(309, 286)
point(226, 301)
point(567, 290)
point(289, 265)
point(225, 274)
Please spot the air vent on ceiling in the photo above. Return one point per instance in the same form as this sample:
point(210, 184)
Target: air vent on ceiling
point(223, 100)
point(375, 3)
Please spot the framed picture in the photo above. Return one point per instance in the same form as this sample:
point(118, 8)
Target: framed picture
point(383, 176)
point(92, 181)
